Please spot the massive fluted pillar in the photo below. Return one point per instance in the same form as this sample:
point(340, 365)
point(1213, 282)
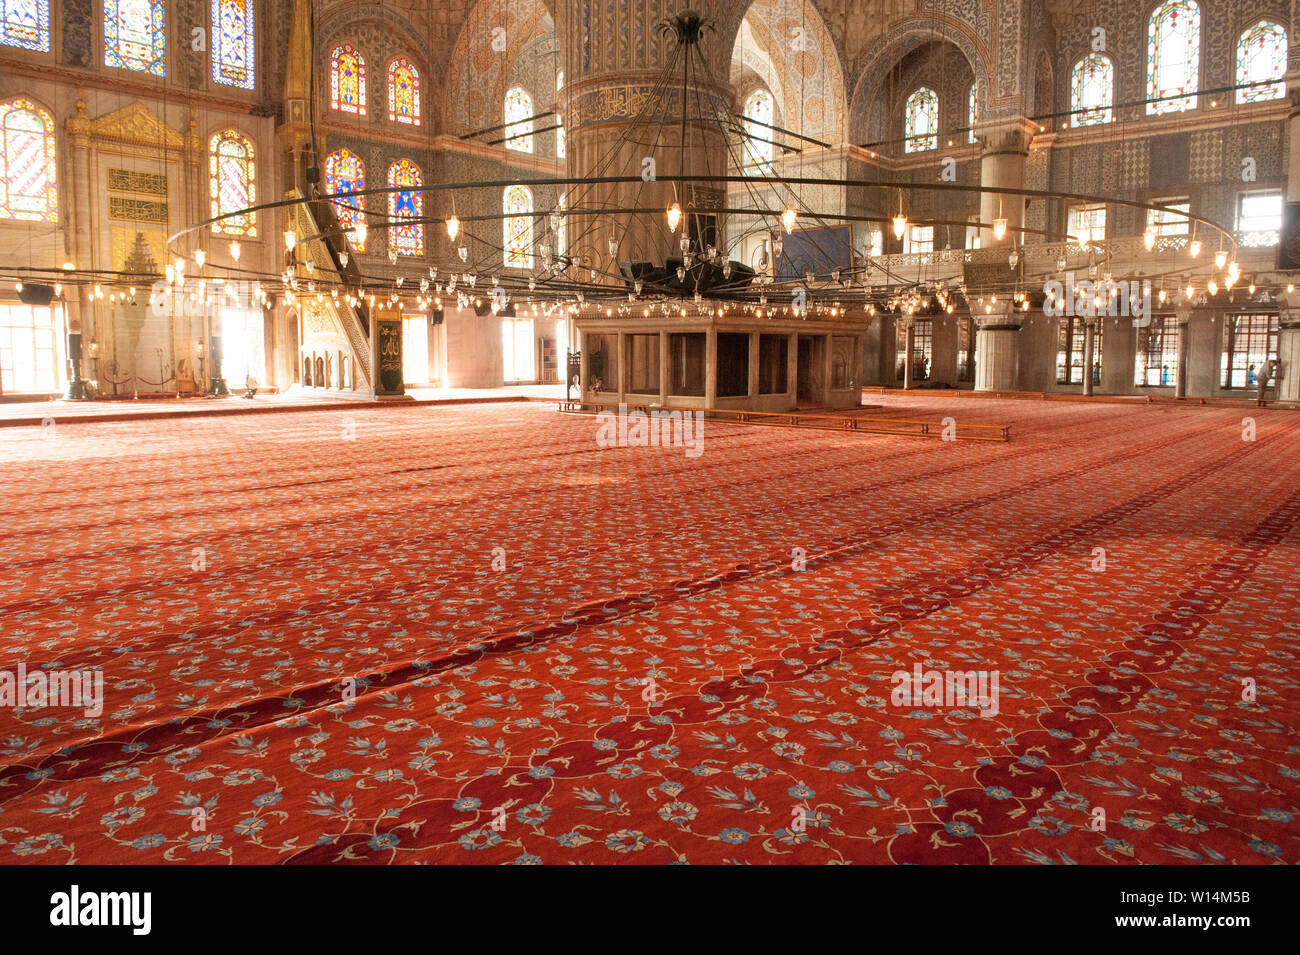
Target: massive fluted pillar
point(623, 119)
point(996, 353)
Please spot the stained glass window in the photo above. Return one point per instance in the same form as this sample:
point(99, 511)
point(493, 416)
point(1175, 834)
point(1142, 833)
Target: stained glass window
point(232, 182)
point(1092, 90)
point(1173, 57)
point(234, 46)
point(28, 173)
point(518, 208)
point(344, 172)
point(1261, 62)
point(25, 24)
point(519, 131)
point(922, 121)
point(403, 92)
point(972, 112)
point(561, 148)
point(407, 238)
point(348, 80)
point(760, 113)
point(135, 35)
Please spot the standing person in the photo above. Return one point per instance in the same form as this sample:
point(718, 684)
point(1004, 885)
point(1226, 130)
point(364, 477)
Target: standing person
point(1266, 370)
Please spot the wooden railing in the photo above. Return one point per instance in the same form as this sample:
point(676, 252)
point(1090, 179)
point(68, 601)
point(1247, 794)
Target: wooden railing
point(949, 429)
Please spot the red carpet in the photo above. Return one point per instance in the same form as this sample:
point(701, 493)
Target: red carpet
point(517, 695)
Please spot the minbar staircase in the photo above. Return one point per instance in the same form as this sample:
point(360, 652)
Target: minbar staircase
point(316, 217)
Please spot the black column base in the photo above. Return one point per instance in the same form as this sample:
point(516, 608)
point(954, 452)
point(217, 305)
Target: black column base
point(77, 391)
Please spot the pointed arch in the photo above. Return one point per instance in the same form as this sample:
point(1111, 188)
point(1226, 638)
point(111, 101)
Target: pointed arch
point(348, 80)
point(232, 182)
point(345, 172)
point(517, 204)
point(28, 168)
point(405, 237)
point(403, 92)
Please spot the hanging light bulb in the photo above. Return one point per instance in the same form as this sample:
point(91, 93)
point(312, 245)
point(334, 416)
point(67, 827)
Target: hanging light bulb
point(1013, 258)
point(200, 257)
point(361, 230)
point(463, 253)
point(290, 239)
point(235, 249)
point(1220, 258)
point(788, 219)
point(453, 227)
point(1149, 239)
point(343, 259)
point(999, 228)
point(392, 256)
point(1195, 248)
point(1213, 287)
point(900, 225)
point(613, 247)
point(674, 217)
point(170, 272)
point(1190, 290)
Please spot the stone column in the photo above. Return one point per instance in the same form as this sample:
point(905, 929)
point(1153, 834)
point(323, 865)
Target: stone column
point(909, 354)
point(1183, 319)
point(996, 351)
point(1089, 346)
point(1002, 166)
point(1287, 377)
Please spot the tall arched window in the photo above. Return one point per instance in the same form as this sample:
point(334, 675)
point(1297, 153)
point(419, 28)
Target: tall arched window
point(232, 182)
point(344, 172)
point(518, 208)
point(519, 129)
point(921, 128)
point(348, 80)
point(406, 238)
point(25, 24)
point(760, 114)
point(1092, 90)
point(28, 173)
point(403, 92)
point(1261, 62)
point(234, 45)
point(135, 35)
point(561, 148)
point(972, 112)
point(1173, 57)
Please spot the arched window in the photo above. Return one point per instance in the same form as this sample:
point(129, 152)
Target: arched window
point(25, 24)
point(561, 149)
point(403, 92)
point(760, 114)
point(232, 182)
point(234, 45)
point(1261, 62)
point(518, 208)
point(344, 172)
point(406, 238)
point(519, 131)
point(1092, 90)
point(28, 174)
point(1173, 57)
point(972, 112)
point(135, 35)
point(922, 121)
point(348, 80)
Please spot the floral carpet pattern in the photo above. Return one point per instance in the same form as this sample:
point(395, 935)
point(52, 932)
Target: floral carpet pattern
point(468, 634)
